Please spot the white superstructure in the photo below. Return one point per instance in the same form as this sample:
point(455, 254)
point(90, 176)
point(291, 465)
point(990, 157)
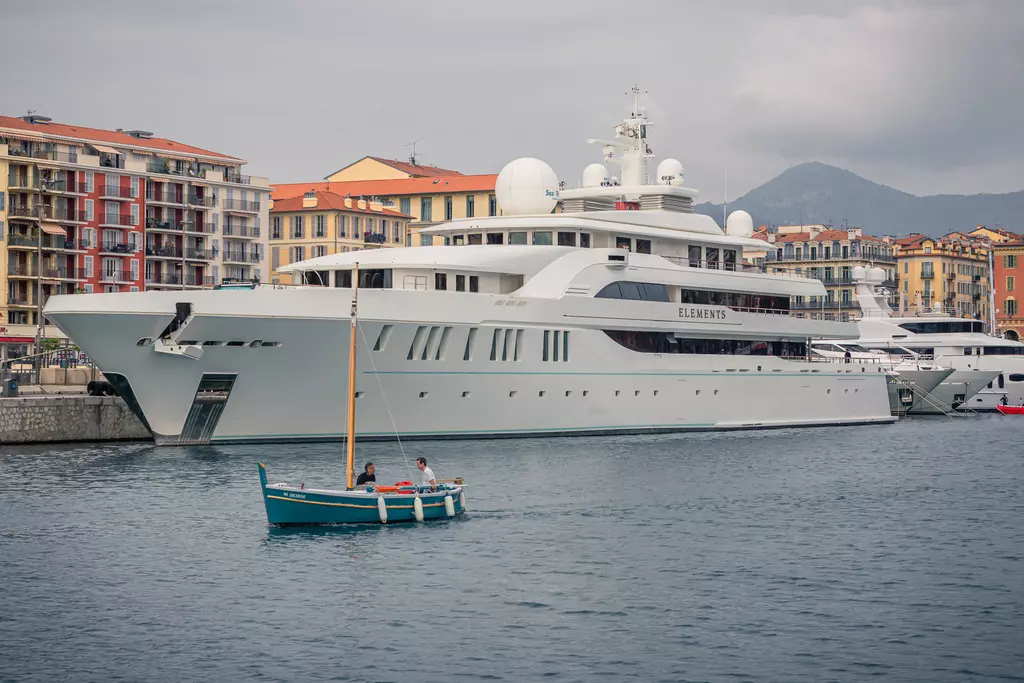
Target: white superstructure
point(594, 320)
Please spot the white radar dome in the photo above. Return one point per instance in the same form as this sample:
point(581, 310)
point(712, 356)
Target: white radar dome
point(595, 175)
point(739, 224)
point(876, 275)
point(859, 272)
point(670, 172)
point(526, 186)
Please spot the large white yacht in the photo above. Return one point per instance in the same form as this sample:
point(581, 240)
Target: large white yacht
point(626, 312)
point(986, 369)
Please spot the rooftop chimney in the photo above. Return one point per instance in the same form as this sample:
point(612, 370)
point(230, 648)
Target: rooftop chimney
point(362, 204)
point(309, 200)
point(376, 204)
point(348, 201)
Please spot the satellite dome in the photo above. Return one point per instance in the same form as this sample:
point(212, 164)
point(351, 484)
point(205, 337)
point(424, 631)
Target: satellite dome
point(670, 172)
point(859, 273)
point(526, 186)
point(595, 175)
point(739, 224)
point(876, 275)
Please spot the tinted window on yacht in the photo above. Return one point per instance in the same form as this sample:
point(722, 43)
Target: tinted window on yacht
point(318, 278)
point(517, 238)
point(567, 239)
point(1003, 351)
point(475, 238)
point(623, 243)
point(635, 291)
point(343, 278)
point(729, 259)
point(375, 279)
point(440, 280)
point(643, 246)
point(944, 326)
point(495, 238)
point(543, 238)
point(740, 300)
point(585, 240)
point(667, 342)
point(695, 255)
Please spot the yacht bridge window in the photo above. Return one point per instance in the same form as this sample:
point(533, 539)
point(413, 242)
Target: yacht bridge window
point(740, 300)
point(371, 278)
point(944, 326)
point(636, 291)
point(667, 342)
point(1003, 351)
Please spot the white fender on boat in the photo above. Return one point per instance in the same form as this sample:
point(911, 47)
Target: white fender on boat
point(417, 509)
point(462, 499)
point(449, 505)
point(382, 510)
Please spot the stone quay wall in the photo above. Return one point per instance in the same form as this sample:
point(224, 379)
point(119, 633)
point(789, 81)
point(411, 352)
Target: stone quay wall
point(41, 419)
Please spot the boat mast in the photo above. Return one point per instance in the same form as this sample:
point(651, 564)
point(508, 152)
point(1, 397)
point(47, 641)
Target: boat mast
point(350, 439)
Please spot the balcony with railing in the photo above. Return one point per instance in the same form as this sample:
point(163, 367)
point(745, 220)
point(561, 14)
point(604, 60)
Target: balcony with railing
point(25, 212)
point(237, 178)
point(164, 252)
point(35, 152)
point(233, 256)
point(59, 273)
point(199, 281)
point(163, 224)
point(66, 214)
point(241, 205)
point(18, 300)
point(20, 240)
point(201, 254)
point(202, 228)
point(165, 197)
point(118, 192)
point(61, 185)
point(168, 279)
point(116, 248)
point(22, 270)
point(115, 276)
point(115, 220)
point(111, 160)
point(927, 273)
point(197, 200)
point(240, 230)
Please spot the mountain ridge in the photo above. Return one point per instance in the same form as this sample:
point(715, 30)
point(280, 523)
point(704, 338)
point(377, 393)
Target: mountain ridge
point(815, 192)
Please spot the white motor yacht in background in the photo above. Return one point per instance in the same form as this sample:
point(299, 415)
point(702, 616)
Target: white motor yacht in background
point(911, 383)
point(986, 368)
point(627, 312)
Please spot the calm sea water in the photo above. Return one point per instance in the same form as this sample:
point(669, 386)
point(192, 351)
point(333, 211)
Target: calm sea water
point(796, 555)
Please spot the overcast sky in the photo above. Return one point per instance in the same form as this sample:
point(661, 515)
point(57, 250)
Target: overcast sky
point(924, 96)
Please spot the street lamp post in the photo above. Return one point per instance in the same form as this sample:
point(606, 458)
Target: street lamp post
point(39, 271)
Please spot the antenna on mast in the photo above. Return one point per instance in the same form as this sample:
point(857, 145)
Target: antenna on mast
point(725, 197)
point(412, 156)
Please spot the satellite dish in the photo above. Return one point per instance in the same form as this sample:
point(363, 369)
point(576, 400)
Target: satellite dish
point(670, 172)
point(595, 175)
point(739, 224)
point(526, 186)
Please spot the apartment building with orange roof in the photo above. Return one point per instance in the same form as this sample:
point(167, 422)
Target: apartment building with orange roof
point(430, 195)
point(824, 253)
point(319, 223)
point(93, 210)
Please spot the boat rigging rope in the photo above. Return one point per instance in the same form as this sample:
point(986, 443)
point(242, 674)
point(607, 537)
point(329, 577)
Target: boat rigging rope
point(394, 427)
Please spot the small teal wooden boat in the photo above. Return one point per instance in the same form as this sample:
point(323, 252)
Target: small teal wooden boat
point(289, 505)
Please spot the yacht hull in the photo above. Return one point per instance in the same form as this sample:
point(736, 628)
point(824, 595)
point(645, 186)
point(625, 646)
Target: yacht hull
point(456, 379)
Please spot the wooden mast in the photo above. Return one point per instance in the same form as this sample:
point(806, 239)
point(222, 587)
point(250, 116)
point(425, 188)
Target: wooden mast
point(350, 440)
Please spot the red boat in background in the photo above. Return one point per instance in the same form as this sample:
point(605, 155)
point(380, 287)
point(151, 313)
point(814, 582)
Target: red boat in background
point(1011, 410)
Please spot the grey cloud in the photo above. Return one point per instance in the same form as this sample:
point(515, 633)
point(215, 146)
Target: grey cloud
point(922, 93)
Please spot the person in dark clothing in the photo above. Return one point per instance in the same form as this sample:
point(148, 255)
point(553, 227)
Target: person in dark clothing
point(847, 356)
point(367, 476)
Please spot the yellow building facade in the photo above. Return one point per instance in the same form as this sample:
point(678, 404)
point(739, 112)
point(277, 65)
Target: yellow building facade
point(949, 271)
point(323, 223)
point(428, 194)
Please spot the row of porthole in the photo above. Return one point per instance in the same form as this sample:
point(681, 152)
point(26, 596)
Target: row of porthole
point(568, 393)
point(254, 344)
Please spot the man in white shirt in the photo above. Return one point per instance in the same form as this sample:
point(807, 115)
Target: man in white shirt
point(428, 474)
